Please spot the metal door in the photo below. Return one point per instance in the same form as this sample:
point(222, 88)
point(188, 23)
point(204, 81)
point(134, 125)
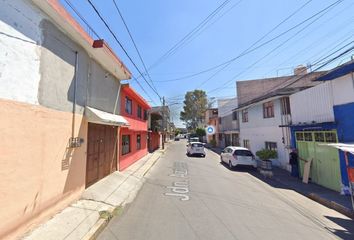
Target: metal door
point(101, 152)
point(325, 168)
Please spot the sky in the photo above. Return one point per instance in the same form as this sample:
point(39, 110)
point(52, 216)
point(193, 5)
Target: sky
point(284, 32)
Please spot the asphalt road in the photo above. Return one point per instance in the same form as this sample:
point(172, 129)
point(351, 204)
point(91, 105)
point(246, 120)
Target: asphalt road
point(200, 198)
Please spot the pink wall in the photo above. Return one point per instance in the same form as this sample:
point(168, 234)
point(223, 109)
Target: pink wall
point(135, 154)
point(39, 174)
point(136, 126)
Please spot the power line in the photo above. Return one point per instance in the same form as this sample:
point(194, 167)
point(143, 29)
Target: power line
point(82, 18)
point(120, 44)
point(259, 46)
point(259, 40)
point(180, 43)
point(320, 13)
point(135, 46)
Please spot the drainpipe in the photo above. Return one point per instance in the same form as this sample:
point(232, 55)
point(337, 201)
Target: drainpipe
point(75, 87)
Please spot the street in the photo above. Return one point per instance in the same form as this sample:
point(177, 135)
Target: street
point(200, 198)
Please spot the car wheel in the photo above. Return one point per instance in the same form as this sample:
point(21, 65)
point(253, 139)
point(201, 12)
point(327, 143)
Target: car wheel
point(230, 165)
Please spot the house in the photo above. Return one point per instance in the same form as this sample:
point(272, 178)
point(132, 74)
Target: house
point(228, 123)
point(263, 106)
point(155, 129)
point(161, 121)
point(211, 119)
point(134, 136)
point(60, 100)
point(324, 115)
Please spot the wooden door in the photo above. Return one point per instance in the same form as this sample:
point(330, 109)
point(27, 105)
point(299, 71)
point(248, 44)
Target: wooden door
point(101, 152)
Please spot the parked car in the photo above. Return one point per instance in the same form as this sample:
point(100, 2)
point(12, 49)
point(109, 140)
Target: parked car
point(194, 139)
point(176, 138)
point(235, 156)
point(195, 148)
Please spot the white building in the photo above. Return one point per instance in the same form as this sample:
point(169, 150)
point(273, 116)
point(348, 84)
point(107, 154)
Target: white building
point(264, 110)
point(228, 131)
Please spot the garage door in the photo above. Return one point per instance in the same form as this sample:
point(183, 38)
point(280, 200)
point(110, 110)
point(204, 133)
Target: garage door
point(325, 169)
point(101, 152)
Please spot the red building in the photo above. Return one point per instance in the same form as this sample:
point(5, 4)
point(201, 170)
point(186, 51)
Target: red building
point(133, 138)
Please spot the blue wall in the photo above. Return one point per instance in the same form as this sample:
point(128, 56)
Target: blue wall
point(344, 115)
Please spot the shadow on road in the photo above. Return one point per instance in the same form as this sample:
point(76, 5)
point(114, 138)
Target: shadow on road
point(348, 228)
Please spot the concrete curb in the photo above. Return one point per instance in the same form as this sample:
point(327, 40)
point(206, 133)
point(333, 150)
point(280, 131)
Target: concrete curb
point(102, 223)
point(333, 205)
point(327, 203)
point(96, 229)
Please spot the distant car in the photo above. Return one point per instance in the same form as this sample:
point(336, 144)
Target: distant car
point(194, 139)
point(195, 148)
point(176, 138)
point(235, 156)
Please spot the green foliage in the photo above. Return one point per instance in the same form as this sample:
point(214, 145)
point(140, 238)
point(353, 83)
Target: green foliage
point(177, 132)
point(200, 132)
point(195, 105)
point(266, 154)
point(213, 142)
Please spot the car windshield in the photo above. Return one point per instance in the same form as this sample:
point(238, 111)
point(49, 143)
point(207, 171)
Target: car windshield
point(244, 153)
point(197, 145)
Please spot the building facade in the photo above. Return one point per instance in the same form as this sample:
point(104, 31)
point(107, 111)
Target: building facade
point(327, 118)
point(228, 127)
point(211, 119)
point(264, 108)
point(60, 104)
point(134, 137)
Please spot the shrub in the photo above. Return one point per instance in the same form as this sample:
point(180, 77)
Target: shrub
point(266, 154)
point(213, 143)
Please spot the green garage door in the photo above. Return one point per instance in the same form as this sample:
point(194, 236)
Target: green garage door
point(325, 169)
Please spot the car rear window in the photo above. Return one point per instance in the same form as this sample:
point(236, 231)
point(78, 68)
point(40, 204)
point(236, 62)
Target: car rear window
point(197, 145)
point(244, 153)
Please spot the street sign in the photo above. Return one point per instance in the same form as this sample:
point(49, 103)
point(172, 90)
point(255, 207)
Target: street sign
point(210, 130)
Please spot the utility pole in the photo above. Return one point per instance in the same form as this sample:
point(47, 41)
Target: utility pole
point(163, 123)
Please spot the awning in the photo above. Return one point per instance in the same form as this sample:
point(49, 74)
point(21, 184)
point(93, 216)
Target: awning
point(97, 116)
point(345, 147)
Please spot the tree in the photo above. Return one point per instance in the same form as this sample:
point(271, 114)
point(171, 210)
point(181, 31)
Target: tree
point(200, 132)
point(195, 105)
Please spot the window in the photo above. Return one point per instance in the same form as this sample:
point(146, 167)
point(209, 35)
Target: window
point(140, 112)
point(285, 106)
point(271, 146)
point(299, 136)
point(245, 115)
point(138, 141)
point(319, 137)
point(331, 137)
point(246, 143)
point(145, 115)
point(220, 136)
point(243, 153)
point(125, 144)
point(128, 105)
point(234, 115)
point(308, 136)
point(268, 109)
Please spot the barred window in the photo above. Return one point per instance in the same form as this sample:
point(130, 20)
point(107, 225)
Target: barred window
point(245, 115)
point(268, 110)
point(138, 141)
point(125, 144)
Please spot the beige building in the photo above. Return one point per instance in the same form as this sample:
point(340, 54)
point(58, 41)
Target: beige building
point(59, 106)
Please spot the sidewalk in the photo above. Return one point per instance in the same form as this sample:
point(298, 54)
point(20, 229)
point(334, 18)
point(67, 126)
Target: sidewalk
point(322, 195)
point(88, 216)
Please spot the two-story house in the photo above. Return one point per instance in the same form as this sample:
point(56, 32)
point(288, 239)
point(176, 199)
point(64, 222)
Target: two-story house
point(133, 138)
point(211, 119)
point(59, 107)
point(264, 107)
point(228, 126)
point(322, 115)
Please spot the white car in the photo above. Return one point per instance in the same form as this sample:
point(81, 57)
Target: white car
point(195, 148)
point(234, 156)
